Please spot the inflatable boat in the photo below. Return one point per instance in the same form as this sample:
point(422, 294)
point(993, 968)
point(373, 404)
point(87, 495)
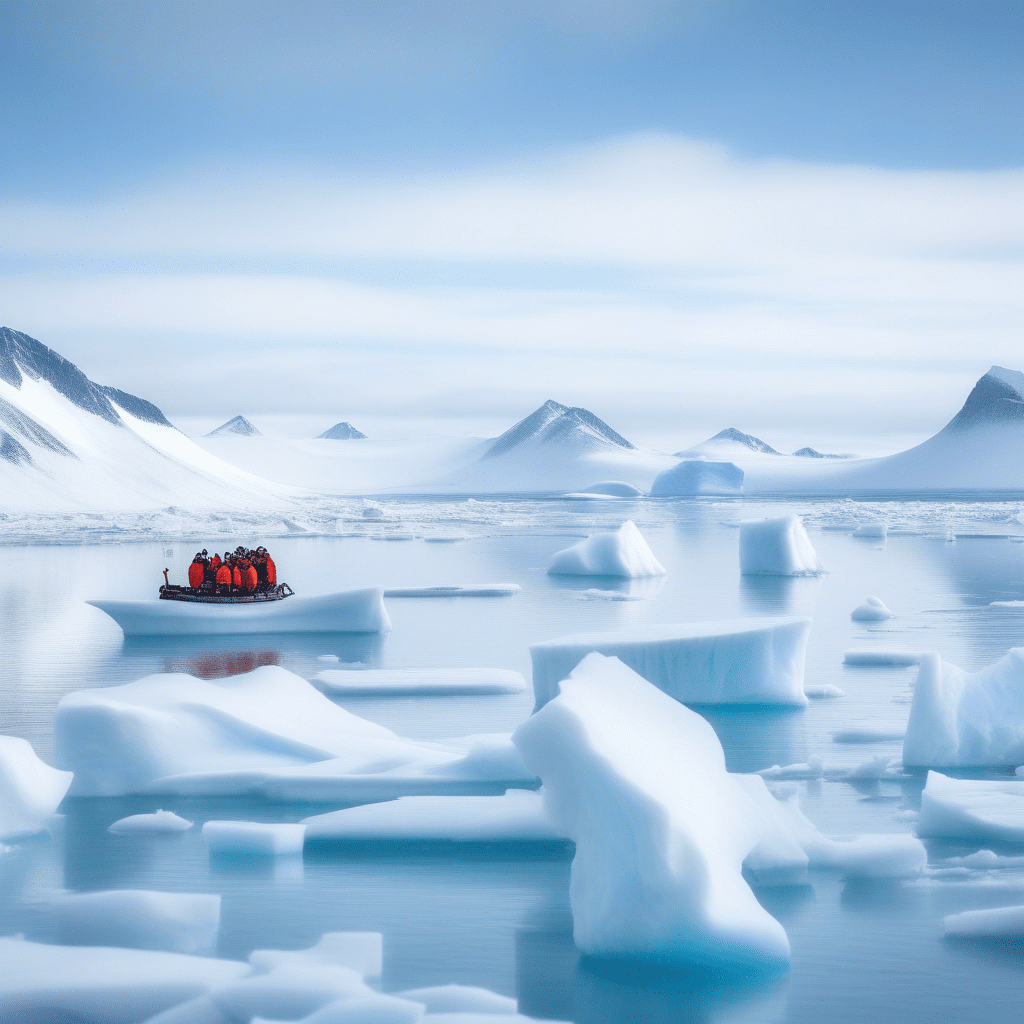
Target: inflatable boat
point(182, 614)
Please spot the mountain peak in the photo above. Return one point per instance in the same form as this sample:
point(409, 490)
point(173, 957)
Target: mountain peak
point(343, 432)
point(557, 423)
point(731, 437)
point(998, 397)
point(238, 425)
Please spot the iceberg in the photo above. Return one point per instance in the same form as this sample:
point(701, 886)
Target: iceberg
point(417, 681)
point(739, 661)
point(622, 552)
point(995, 923)
point(967, 719)
point(266, 732)
point(823, 691)
point(253, 838)
point(872, 531)
point(150, 824)
point(363, 952)
point(30, 790)
point(872, 610)
point(614, 489)
point(629, 775)
point(777, 547)
point(695, 477)
point(973, 810)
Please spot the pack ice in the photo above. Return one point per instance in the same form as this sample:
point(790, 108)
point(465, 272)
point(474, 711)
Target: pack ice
point(777, 547)
point(638, 781)
point(30, 790)
point(694, 477)
point(622, 552)
point(739, 661)
point(967, 719)
point(268, 732)
point(974, 810)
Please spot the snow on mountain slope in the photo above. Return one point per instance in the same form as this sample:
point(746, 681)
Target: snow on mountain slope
point(237, 425)
point(728, 442)
point(68, 444)
point(343, 432)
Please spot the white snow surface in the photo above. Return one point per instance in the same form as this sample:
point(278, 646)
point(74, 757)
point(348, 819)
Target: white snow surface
point(629, 775)
point(695, 477)
point(614, 489)
point(777, 547)
point(253, 838)
point(872, 609)
point(622, 552)
point(417, 681)
point(30, 790)
point(967, 719)
point(974, 810)
point(739, 661)
point(997, 922)
point(268, 731)
point(158, 822)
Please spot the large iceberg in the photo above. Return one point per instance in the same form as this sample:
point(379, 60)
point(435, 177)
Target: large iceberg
point(777, 547)
point(694, 477)
point(739, 661)
point(622, 552)
point(638, 781)
point(967, 719)
point(267, 732)
point(30, 790)
point(973, 810)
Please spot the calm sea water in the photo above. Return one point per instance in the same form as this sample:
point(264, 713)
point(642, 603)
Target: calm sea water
point(499, 917)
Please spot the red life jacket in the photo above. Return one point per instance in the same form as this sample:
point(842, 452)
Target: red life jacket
point(271, 572)
point(215, 562)
point(243, 569)
point(224, 575)
point(249, 578)
point(195, 575)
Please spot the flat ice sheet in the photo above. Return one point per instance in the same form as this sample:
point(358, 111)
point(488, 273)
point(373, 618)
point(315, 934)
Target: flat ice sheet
point(739, 661)
point(417, 681)
point(466, 590)
point(974, 810)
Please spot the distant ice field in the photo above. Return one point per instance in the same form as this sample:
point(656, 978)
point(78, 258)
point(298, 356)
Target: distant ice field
point(497, 916)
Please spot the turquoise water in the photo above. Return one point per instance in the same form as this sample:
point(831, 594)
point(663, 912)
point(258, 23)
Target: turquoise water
point(499, 917)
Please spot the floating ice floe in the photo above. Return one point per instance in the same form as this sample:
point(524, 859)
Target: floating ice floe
point(822, 691)
point(975, 810)
point(461, 999)
point(809, 769)
point(1006, 604)
point(622, 552)
point(331, 658)
point(878, 659)
point(739, 661)
point(967, 719)
point(629, 775)
point(268, 732)
point(466, 590)
point(777, 547)
point(695, 477)
point(998, 922)
point(363, 952)
point(179, 922)
point(872, 531)
point(872, 610)
point(150, 824)
point(870, 732)
point(30, 790)
point(596, 594)
point(253, 838)
point(613, 489)
point(418, 681)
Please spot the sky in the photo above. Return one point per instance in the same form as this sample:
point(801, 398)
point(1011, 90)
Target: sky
point(797, 218)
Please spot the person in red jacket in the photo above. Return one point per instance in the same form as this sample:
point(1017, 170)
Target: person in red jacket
point(271, 571)
point(224, 578)
point(196, 572)
point(247, 575)
point(236, 573)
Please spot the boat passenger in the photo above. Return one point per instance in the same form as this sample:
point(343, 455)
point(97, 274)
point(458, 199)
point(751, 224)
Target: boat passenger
point(247, 575)
point(215, 562)
point(224, 577)
point(196, 572)
point(236, 573)
point(271, 572)
point(260, 564)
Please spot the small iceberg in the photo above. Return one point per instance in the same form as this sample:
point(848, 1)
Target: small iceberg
point(873, 609)
point(972, 810)
point(30, 790)
point(695, 477)
point(159, 822)
point(253, 838)
point(418, 682)
point(777, 547)
point(622, 552)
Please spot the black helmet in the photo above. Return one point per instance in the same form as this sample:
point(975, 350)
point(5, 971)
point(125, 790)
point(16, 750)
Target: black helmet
point(203, 551)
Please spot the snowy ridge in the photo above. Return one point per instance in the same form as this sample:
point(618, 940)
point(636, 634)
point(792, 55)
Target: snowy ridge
point(728, 440)
point(557, 423)
point(343, 432)
point(238, 425)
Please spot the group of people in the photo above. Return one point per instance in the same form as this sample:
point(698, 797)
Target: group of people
point(242, 571)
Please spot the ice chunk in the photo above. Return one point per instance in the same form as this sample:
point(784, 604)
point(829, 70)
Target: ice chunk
point(332, 658)
point(822, 691)
point(872, 610)
point(976, 810)
point(967, 719)
point(879, 658)
point(986, 860)
point(873, 768)
point(623, 552)
point(255, 838)
point(870, 732)
point(518, 816)
point(418, 681)
point(740, 661)
point(372, 1009)
point(999, 922)
point(150, 824)
point(872, 856)
point(180, 922)
point(614, 488)
point(460, 999)
point(693, 477)
point(362, 952)
point(289, 992)
point(30, 790)
point(777, 547)
point(810, 769)
point(629, 775)
point(596, 594)
point(872, 531)
point(462, 590)
point(104, 985)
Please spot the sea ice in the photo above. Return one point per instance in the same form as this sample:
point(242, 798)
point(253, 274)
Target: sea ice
point(739, 661)
point(460, 999)
point(872, 610)
point(822, 691)
point(998, 922)
point(629, 775)
point(875, 659)
point(810, 769)
point(967, 719)
point(623, 552)
point(371, 1009)
point(150, 824)
point(975, 810)
point(418, 681)
point(254, 838)
point(330, 658)
point(777, 547)
point(694, 477)
point(102, 985)
point(180, 922)
point(30, 790)
point(872, 531)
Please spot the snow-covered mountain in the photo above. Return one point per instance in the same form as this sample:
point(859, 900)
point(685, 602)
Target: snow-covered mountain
point(812, 453)
point(726, 443)
point(343, 432)
point(237, 425)
point(67, 443)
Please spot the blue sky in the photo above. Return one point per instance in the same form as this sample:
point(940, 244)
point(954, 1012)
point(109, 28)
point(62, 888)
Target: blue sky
point(796, 215)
